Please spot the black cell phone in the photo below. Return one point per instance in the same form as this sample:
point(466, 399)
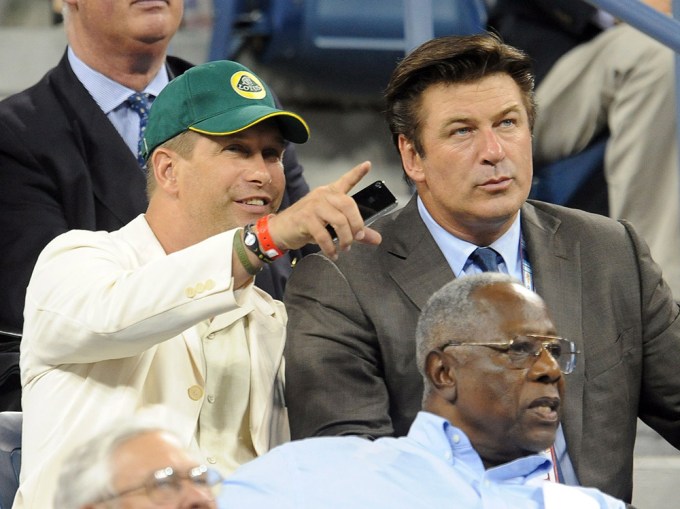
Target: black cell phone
point(374, 201)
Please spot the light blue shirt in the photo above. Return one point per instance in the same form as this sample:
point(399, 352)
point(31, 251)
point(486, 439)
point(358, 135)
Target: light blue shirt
point(110, 96)
point(457, 251)
point(434, 466)
point(509, 246)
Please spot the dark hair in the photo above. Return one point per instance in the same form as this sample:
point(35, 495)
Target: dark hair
point(451, 59)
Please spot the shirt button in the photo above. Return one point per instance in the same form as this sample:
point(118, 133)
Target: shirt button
point(209, 284)
point(190, 292)
point(195, 392)
point(211, 398)
point(456, 439)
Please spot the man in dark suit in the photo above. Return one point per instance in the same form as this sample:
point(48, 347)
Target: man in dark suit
point(64, 165)
point(461, 111)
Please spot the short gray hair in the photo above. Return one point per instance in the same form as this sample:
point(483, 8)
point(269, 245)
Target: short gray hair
point(86, 475)
point(452, 312)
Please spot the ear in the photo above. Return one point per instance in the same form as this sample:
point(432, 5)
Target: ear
point(441, 372)
point(410, 159)
point(165, 169)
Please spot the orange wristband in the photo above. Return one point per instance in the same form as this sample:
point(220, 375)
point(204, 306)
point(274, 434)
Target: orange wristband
point(267, 246)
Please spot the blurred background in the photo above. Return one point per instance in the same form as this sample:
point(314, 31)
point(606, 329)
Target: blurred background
point(327, 60)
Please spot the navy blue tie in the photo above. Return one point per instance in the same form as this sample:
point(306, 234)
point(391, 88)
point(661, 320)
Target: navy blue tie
point(140, 103)
point(485, 258)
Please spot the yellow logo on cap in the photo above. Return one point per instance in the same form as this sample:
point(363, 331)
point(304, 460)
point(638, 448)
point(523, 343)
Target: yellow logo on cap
point(247, 85)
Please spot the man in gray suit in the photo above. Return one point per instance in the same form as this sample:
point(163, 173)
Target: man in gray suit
point(461, 112)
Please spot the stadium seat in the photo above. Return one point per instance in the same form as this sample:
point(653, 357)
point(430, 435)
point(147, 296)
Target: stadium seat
point(348, 46)
point(577, 181)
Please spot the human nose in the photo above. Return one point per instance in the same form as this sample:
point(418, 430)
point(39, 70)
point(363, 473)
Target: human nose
point(492, 148)
point(545, 367)
point(258, 171)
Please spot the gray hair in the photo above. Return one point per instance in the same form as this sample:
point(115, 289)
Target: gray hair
point(452, 312)
point(86, 475)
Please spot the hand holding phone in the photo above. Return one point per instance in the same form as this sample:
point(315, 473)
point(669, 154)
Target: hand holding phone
point(305, 221)
point(374, 201)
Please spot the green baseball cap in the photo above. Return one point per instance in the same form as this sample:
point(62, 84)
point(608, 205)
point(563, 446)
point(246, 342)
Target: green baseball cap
point(217, 98)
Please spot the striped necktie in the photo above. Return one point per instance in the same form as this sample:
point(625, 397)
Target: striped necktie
point(140, 103)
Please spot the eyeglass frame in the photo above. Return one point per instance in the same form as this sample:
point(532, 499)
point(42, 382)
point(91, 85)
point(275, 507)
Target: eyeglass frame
point(504, 346)
point(152, 482)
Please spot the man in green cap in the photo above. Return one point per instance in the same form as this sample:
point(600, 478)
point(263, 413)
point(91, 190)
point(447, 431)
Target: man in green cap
point(162, 315)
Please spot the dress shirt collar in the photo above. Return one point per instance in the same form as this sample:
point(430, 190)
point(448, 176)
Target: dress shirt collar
point(439, 436)
point(457, 251)
point(109, 94)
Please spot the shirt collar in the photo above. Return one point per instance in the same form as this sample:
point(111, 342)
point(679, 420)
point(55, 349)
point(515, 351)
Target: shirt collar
point(456, 251)
point(107, 93)
point(450, 443)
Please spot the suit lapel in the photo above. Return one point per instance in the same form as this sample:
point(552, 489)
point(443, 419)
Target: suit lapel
point(117, 181)
point(409, 238)
point(556, 265)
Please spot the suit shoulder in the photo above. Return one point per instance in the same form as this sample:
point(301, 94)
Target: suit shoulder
point(177, 65)
point(38, 107)
point(574, 221)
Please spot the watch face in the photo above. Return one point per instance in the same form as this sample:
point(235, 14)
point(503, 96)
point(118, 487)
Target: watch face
point(250, 239)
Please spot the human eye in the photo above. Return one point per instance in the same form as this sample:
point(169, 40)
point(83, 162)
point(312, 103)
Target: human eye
point(554, 349)
point(508, 122)
point(201, 482)
point(166, 485)
point(461, 131)
point(236, 148)
point(522, 347)
point(273, 155)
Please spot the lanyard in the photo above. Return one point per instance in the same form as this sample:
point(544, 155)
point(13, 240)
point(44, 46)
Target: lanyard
point(527, 274)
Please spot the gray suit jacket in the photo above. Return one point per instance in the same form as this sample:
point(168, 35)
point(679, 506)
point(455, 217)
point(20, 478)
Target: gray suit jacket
point(350, 352)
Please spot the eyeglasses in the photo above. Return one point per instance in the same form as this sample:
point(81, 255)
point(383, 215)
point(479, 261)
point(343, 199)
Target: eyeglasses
point(165, 485)
point(524, 350)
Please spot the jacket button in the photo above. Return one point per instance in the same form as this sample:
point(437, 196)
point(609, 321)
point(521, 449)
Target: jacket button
point(200, 288)
point(195, 392)
point(190, 292)
point(209, 284)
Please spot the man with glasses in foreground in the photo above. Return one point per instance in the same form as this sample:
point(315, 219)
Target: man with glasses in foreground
point(135, 465)
point(493, 373)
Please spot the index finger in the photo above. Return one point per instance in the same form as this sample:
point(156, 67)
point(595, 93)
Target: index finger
point(345, 183)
